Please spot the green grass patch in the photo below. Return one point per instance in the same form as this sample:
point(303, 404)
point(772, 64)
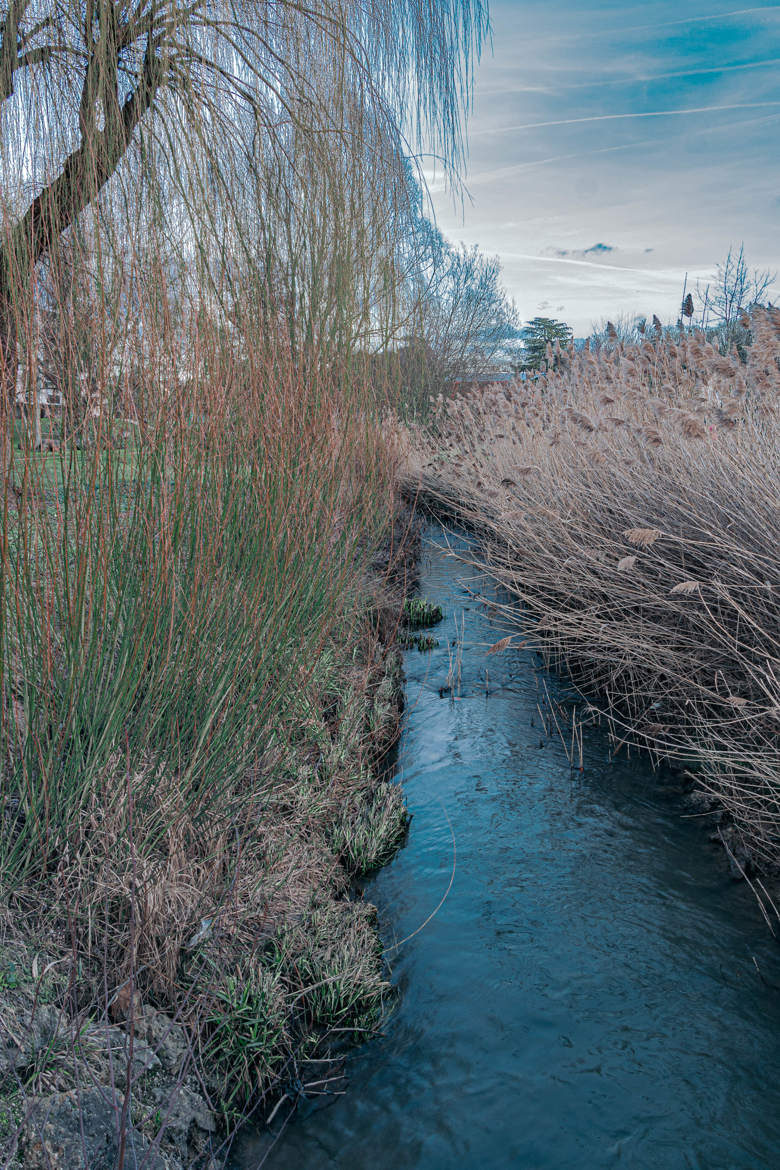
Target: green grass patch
point(421, 614)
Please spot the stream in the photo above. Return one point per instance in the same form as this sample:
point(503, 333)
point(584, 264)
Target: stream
point(596, 990)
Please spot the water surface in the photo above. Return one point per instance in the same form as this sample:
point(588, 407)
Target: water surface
point(595, 991)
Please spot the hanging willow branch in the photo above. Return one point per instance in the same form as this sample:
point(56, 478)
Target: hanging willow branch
point(82, 81)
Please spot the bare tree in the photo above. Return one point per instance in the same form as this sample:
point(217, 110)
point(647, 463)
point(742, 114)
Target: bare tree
point(460, 314)
point(734, 290)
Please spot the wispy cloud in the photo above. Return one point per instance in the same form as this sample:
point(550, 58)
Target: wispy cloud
point(481, 178)
point(669, 168)
point(646, 273)
point(640, 78)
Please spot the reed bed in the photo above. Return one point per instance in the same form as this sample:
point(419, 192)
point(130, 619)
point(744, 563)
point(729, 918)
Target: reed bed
point(629, 499)
point(194, 700)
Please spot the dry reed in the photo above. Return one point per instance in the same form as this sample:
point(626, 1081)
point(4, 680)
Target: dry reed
point(630, 500)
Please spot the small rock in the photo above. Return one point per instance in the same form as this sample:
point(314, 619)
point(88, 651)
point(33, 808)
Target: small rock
point(167, 1038)
point(24, 1031)
point(68, 1131)
point(145, 1057)
point(182, 1110)
point(702, 801)
point(178, 1121)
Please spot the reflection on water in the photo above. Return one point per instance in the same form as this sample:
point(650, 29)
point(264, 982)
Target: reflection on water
point(596, 990)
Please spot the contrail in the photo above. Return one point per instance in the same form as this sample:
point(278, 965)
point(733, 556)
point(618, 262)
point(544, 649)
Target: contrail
point(700, 19)
point(715, 16)
point(655, 274)
point(623, 117)
point(677, 73)
point(482, 177)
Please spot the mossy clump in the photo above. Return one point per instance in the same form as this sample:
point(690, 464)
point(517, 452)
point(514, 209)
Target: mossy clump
point(370, 829)
point(27, 969)
point(246, 1038)
point(384, 711)
point(421, 614)
point(420, 642)
point(12, 1107)
point(337, 957)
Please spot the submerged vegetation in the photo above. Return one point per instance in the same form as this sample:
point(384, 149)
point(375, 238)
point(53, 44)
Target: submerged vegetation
point(421, 614)
point(628, 498)
point(421, 642)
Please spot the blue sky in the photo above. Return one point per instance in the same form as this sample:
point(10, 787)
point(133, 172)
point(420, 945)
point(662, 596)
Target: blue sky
point(615, 146)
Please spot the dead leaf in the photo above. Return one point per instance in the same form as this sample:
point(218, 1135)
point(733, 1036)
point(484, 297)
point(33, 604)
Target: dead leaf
point(504, 644)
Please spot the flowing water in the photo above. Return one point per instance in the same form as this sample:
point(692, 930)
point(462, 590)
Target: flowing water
point(595, 991)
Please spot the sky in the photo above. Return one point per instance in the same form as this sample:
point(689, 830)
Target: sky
point(615, 146)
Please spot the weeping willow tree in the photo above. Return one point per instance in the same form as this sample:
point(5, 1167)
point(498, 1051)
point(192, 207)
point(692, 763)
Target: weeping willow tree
point(313, 228)
point(201, 103)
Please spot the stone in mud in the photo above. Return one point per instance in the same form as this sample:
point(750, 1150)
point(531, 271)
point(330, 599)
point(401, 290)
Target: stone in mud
point(164, 1036)
point(181, 1113)
point(26, 1030)
point(70, 1130)
point(117, 1042)
point(701, 801)
point(186, 1121)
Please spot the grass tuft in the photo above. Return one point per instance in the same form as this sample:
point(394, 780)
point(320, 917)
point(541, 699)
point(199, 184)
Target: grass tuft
point(421, 614)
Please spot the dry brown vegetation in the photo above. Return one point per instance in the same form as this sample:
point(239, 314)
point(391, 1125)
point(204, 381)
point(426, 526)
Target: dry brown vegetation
point(630, 499)
point(194, 697)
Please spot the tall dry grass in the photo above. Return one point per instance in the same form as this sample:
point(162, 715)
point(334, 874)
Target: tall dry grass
point(204, 236)
point(630, 501)
point(191, 702)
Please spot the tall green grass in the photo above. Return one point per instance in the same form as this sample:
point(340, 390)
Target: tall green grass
point(167, 610)
point(192, 703)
